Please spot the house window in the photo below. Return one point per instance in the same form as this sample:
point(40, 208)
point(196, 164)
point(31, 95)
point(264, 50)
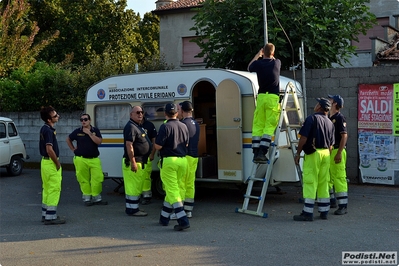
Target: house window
point(377, 31)
point(190, 50)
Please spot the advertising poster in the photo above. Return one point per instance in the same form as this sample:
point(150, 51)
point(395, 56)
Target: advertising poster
point(378, 138)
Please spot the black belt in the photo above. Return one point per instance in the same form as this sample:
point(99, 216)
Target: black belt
point(46, 158)
point(86, 157)
point(337, 147)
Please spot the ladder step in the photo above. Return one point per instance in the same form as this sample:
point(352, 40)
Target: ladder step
point(257, 179)
point(261, 214)
point(291, 109)
point(252, 197)
point(294, 126)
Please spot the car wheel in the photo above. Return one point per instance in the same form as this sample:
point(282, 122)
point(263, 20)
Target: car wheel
point(15, 166)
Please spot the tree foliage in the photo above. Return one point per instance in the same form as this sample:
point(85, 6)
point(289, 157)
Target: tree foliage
point(97, 39)
point(231, 31)
point(17, 35)
point(88, 28)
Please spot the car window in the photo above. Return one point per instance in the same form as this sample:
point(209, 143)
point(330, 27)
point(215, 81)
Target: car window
point(2, 130)
point(12, 131)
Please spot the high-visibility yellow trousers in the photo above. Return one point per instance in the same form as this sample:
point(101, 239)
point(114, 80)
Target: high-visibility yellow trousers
point(173, 171)
point(266, 116)
point(51, 184)
point(133, 183)
point(188, 189)
point(90, 177)
point(338, 183)
point(316, 176)
point(146, 190)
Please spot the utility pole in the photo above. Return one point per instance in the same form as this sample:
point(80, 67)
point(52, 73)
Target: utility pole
point(302, 58)
point(266, 38)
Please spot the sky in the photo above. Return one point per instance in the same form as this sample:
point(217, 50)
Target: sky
point(141, 6)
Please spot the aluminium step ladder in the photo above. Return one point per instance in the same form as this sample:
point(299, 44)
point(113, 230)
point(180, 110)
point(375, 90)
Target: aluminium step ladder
point(291, 129)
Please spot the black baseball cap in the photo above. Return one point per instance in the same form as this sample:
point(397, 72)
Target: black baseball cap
point(170, 108)
point(325, 103)
point(186, 106)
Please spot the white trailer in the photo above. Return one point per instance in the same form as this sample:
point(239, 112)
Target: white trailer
point(224, 103)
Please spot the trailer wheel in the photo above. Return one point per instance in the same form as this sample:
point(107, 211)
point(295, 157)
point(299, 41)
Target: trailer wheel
point(157, 186)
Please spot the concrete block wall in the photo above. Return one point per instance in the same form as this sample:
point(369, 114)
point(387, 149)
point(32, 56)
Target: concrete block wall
point(345, 81)
point(29, 124)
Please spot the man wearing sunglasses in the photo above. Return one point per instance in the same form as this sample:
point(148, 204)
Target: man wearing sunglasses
point(137, 147)
point(87, 163)
point(50, 167)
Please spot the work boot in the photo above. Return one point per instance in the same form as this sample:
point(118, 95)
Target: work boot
point(179, 227)
point(139, 214)
point(54, 221)
point(255, 151)
point(341, 211)
point(260, 157)
point(89, 203)
point(323, 215)
point(145, 201)
point(100, 202)
point(304, 218)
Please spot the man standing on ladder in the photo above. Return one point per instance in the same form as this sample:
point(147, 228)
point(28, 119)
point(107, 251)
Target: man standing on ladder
point(267, 111)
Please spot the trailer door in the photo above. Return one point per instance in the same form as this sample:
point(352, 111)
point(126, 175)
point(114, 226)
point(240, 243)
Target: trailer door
point(229, 130)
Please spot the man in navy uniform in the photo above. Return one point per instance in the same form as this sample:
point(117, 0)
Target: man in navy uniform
point(338, 184)
point(317, 139)
point(50, 167)
point(137, 147)
point(172, 141)
point(87, 163)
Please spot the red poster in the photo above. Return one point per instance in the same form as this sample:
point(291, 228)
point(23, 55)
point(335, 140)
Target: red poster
point(375, 108)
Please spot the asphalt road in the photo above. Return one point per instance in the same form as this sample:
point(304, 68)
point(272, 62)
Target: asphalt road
point(104, 235)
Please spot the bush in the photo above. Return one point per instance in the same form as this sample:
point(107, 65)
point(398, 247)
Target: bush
point(44, 84)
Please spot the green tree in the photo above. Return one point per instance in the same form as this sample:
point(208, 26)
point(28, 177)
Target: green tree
point(17, 34)
point(231, 31)
point(86, 27)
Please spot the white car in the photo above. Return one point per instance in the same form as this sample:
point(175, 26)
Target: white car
point(12, 149)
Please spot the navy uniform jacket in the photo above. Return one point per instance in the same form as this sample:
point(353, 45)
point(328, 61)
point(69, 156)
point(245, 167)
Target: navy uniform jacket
point(194, 131)
point(324, 130)
point(141, 143)
point(48, 136)
point(339, 122)
point(149, 129)
point(173, 136)
point(268, 73)
point(85, 145)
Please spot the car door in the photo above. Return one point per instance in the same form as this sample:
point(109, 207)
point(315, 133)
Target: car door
point(4, 145)
point(14, 139)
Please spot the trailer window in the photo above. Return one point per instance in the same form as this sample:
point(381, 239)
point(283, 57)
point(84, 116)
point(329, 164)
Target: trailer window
point(114, 116)
point(154, 111)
